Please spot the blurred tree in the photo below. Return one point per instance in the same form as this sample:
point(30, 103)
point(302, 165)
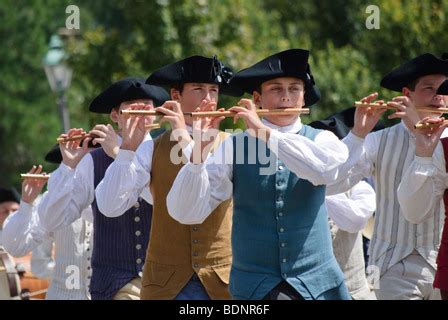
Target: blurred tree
point(135, 37)
point(343, 77)
point(29, 120)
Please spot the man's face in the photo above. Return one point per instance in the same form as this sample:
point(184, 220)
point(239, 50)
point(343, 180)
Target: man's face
point(118, 118)
point(425, 93)
point(6, 208)
point(192, 95)
point(280, 93)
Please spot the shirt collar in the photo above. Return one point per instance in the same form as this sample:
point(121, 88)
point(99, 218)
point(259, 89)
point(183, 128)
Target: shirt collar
point(292, 128)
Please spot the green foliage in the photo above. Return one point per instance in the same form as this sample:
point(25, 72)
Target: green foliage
point(134, 37)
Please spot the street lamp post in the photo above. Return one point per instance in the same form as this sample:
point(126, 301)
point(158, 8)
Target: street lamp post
point(59, 76)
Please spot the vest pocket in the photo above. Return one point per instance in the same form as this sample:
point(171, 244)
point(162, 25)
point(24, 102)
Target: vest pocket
point(157, 274)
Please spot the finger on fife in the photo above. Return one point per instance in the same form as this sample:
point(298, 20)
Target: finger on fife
point(385, 105)
point(429, 125)
point(262, 112)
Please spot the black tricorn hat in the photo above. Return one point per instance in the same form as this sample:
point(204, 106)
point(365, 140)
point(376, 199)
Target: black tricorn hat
point(289, 63)
point(54, 155)
point(9, 194)
point(127, 90)
point(341, 123)
point(196, 69)
point(411, 70)
point(443, 89)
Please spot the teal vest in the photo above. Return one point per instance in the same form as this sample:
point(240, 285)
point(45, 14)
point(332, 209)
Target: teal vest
point(280, 229)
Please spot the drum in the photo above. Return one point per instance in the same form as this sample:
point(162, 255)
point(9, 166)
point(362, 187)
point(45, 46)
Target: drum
point(17, 281)
point(32, 287)
point(9, 278)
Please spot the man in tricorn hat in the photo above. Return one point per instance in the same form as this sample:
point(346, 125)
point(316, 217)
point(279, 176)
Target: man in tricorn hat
point(69, 267)
point(119, 243)
point(281, 242)
point(9, 202)
point(402, 255)
point(424, 185)
point(182, 262)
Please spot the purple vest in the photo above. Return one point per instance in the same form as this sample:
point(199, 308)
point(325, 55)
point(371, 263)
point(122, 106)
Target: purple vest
point(119, 244)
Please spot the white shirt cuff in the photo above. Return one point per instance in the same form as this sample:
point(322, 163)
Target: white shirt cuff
point(25, 207)
point(195, 168)
point(354, 138)
point(125, 156)
point(423, 160)
point(65, 169)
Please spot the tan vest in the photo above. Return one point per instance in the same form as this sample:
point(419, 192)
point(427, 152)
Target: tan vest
point(175, 250)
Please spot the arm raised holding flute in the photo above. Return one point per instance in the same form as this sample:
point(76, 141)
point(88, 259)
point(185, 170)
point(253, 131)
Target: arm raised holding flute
point(404, 236)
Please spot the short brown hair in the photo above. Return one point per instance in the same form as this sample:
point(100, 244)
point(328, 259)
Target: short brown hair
point(411, 86)
point(178, 86)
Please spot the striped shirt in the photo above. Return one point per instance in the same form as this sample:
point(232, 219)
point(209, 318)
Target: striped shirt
point(386, 155)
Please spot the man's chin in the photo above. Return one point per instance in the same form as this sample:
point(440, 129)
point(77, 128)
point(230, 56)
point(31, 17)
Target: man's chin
point(280, 120)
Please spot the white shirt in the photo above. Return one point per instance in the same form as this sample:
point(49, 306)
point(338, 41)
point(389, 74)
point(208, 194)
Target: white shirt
point(386, 155)
point(71, 191)
point(200, 188)
point(348, 214)
point(23, 233)
point(127, 178)
point(351, 210)
point(423, 186)
point(42, 260)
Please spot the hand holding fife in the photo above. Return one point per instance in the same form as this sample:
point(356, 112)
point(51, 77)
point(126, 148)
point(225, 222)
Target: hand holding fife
point(367, 118)
point(73, 151)
point(406, 111)
point(134, 131)
point(246, 110)
point(426, 139)
point(107, 137)
point(173, 114)
point(205, 131)
point(31, 188)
